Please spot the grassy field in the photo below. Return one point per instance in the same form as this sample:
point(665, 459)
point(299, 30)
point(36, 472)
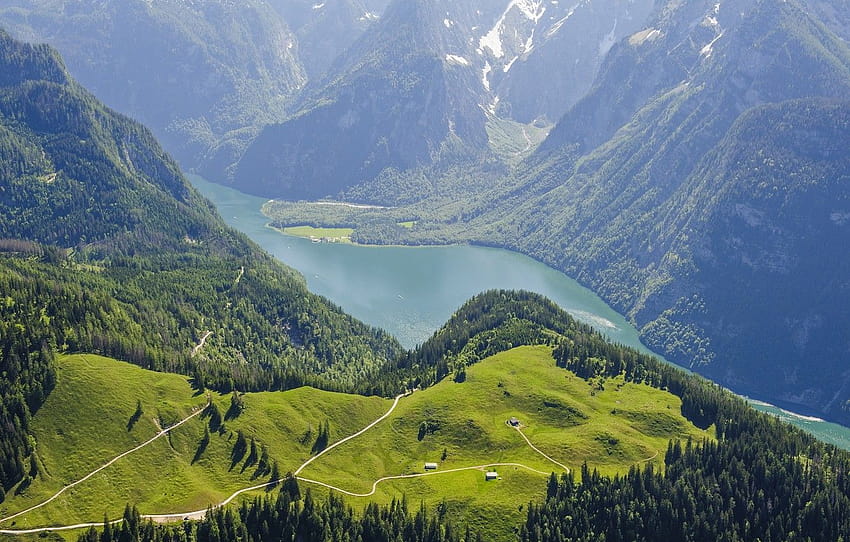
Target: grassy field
point(611, 425)
point(611, 428)
point(84, 423)
point(334, 235)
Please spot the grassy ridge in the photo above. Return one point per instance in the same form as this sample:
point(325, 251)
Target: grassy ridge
point(568, 418)
point(85, 422)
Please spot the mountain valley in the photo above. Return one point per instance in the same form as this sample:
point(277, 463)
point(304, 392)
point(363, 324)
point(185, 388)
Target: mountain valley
point(648, 198)
point(687, 161)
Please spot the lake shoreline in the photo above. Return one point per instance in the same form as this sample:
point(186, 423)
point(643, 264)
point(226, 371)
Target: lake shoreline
point(411, 293)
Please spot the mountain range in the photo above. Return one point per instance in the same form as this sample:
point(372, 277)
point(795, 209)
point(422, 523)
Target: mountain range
point(692, 169)
point(699, 185)
point(425, 86)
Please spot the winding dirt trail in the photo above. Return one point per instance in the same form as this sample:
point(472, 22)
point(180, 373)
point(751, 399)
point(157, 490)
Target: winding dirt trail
point(239, 275)
point(434, 473)
point(533, 447)
point(201, 343)
point(419, 475)
point(199, 514)
point(355, 435)
point(529, 143)
point(648, 458)
point(61, 528)
point(56, 495)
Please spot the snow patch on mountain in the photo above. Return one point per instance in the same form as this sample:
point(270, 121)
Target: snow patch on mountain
point(493, 40)
point(533, 10)
point(494, 105)
point(707, 50)
point(457, 60)
point(559, 23)
point(643, 36)
point(485, 76)
point(711, 22)
point(529, 44)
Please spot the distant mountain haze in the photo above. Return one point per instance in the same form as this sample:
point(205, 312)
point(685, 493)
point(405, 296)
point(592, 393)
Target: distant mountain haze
point(208, 76)
point(203, 75)
point(324, 30)
point(421, 84)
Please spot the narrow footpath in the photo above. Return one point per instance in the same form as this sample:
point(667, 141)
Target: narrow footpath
point(56, 495)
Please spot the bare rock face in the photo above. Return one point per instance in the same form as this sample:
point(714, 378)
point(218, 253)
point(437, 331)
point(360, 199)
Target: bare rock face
point(325, 30)
point(552, 52)
point(422, 83)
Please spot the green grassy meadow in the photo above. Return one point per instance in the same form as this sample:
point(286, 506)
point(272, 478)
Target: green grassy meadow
point(336, 235)
point(514, 141)
point(611, 425)
point(569, 419)
point(84, 423)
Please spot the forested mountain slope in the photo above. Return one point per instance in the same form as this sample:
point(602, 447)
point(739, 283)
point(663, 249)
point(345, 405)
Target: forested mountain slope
point(203, 75)
point(701, 188)
point(753, 478)
point(107, 248)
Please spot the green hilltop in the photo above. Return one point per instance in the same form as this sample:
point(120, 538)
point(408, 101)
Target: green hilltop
point(92, 416)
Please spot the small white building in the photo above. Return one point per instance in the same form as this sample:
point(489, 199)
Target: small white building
point(491, 475)
point(430, 466)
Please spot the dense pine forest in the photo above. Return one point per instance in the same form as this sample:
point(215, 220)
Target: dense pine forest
point(289, 517)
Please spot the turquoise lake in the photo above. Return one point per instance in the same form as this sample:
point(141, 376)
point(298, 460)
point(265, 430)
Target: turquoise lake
point(412, 291)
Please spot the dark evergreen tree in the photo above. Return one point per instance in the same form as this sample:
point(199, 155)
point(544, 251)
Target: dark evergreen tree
point(322, 438)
